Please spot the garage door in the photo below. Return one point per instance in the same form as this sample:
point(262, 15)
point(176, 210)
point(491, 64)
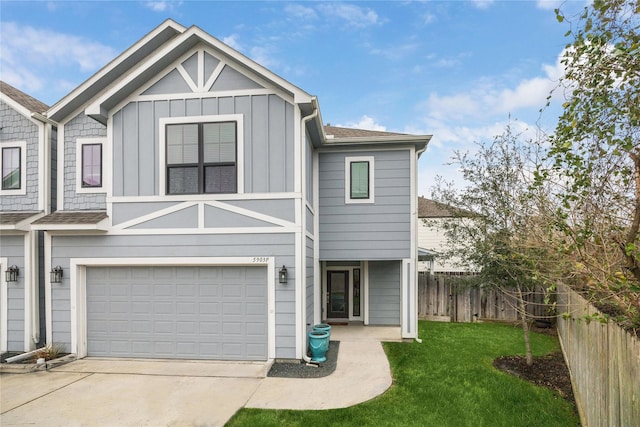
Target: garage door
point(177, 312)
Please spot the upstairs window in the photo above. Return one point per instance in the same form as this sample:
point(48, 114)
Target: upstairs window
point(11, 168)
point(359, 180)
point(201, 158)
point(91, 165)
point(13, 162)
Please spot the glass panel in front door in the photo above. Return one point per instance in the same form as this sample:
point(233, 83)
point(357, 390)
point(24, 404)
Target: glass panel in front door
point(338, 294)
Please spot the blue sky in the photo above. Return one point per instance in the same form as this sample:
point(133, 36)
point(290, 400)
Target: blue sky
point(454, 69)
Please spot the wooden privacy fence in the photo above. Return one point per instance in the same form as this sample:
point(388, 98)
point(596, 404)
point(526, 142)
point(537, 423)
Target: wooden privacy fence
point(604, 362)
point(440, 297)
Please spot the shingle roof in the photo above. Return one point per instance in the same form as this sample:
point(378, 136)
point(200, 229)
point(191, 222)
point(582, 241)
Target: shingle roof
point(28, 102)
point(78, 217)
point(428, 208)
point(340, 132)
point(13, 218)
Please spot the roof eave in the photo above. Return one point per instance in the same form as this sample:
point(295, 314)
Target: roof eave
point(417, 140)
point(91, 87)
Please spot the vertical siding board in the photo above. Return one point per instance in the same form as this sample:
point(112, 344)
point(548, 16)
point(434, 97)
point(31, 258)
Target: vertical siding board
point(130, 145)
point(243, 106)
point(146, 145)
point(210, 106)
point(176, 108)
point(160, 109)
point(117, 159)
point(193, 107)
point(276, 143)
point(289, 149)
point(260, 143)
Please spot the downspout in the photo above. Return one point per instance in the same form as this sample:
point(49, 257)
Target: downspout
point(306, 358)
point(418, 154)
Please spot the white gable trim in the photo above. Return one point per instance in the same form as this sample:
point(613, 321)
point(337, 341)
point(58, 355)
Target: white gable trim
point(169, 23)
point(261, 72)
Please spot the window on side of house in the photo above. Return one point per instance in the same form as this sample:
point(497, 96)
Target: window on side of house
point(91, 165)
point(11, 168)
point(201, 158)
point(359, 180)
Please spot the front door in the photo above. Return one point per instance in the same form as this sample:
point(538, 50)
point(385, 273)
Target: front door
point(338, 294)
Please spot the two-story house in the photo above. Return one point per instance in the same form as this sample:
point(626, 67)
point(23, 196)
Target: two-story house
point(26, 140)
point(205, 212)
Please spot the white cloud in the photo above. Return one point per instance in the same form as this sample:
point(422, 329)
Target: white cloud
point(355, 16)
point(301, 12)
point(163, 6)
point(38, 60)
point(482, 4)
point(40, 47)
point(232, 41)
point(549, 4)
point(365, 122)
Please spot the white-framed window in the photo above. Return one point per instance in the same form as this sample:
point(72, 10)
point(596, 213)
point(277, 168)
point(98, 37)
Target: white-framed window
point(201, 155)
point(359, 179)
point(90, 165)
point(13, 158)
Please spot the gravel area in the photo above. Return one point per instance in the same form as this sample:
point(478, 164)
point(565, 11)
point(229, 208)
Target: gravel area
point(302, 370)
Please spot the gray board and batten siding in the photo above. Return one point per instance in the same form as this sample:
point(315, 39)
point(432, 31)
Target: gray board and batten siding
point(368, 231)
point(16, 127)
point(268, 141)
point(278, 246)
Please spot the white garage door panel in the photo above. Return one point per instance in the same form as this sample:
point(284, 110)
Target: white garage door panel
point(177, 312)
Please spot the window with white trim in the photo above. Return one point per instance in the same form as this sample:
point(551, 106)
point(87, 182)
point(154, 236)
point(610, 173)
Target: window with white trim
point(201, 158)
point(13, 157)
point(90, 165)
point(359, 179)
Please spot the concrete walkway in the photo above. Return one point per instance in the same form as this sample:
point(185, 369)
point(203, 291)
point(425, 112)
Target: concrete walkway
point(362, 373)
point(108, 392)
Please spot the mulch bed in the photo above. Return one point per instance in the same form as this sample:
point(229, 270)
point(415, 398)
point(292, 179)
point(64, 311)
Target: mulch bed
point(302, 370)
point(548, 371)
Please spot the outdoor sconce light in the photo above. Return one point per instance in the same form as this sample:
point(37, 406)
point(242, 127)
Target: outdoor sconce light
point(56, 275)
point(12, 273)
point(282, 275)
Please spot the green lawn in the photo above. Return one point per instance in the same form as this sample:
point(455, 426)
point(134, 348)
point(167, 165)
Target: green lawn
point(448, 380)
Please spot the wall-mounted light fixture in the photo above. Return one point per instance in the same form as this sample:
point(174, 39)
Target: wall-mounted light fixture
point(11, 275)
point(282, 275)
point(56, 274)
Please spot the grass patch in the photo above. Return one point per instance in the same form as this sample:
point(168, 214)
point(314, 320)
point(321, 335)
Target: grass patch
point(448, 380)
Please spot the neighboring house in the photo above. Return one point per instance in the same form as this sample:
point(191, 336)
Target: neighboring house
point(25, 156)
point(432, 240)
point(204, 211)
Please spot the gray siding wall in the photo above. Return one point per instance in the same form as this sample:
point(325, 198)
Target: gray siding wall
point(12, 247)
point(54, 169)
point(310, 289)
point(80, 127)
point(384, 292)
point(381, 230)
point(281, 246)
point(16, 127)
point(268, 141)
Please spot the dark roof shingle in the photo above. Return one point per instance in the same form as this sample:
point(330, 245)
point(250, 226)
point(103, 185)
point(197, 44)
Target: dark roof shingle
point(340, 132)
point(28, 102)
point(78, 217)
point(13, 218)
point(428, 208)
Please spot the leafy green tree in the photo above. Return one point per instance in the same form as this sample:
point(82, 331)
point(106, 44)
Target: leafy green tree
point(595, 151)
point(497, 228)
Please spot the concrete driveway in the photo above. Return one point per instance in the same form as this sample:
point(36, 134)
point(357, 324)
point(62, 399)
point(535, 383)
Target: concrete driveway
point(135, 392)
point(92, 392)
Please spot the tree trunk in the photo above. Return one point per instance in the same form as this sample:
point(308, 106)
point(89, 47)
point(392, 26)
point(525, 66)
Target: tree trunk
point(525, 326)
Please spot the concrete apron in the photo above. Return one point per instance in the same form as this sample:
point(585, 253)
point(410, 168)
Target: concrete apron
point(109, 392)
